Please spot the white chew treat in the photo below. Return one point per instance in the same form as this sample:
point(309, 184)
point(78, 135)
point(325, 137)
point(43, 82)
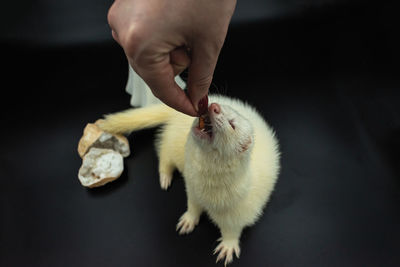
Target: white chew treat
point(100, 166)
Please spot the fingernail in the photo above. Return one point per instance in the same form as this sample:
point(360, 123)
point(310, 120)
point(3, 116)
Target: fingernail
point(203, 105)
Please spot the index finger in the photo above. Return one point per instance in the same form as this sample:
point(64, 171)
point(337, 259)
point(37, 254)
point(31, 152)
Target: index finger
point(161, 80)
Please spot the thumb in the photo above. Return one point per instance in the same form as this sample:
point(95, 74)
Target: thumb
point(201, 70)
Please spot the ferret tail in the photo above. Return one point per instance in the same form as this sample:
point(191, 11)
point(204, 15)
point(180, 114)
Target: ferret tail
point(135, 119)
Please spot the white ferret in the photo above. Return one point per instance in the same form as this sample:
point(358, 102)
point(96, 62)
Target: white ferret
point(230, 166)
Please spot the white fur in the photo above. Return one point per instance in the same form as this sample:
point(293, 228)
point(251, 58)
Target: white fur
point(229, 178)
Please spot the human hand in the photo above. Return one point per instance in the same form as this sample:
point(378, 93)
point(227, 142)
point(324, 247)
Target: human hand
point(162, 38)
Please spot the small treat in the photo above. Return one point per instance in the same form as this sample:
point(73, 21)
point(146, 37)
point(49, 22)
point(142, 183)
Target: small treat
point(201, 122)
point(203, 106)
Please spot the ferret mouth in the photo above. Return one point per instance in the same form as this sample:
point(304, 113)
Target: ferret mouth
point(204, 129)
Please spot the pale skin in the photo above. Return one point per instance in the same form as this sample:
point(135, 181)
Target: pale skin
point(162, 38)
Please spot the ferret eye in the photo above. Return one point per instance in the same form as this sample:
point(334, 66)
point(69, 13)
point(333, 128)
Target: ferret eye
point(232, 125)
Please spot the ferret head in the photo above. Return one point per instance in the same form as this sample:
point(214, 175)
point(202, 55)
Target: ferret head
point(225, 131)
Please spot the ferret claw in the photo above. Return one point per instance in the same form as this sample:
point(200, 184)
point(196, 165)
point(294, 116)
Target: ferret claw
point(165, 181)
point(186, 223)
point(226, 249)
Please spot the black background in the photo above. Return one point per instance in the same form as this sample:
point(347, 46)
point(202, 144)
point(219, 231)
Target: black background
point(324, 74)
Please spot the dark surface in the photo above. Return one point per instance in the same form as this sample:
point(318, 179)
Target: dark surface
point(328, 84)
point(48, 22)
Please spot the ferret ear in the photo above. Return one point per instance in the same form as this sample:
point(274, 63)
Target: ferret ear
point(245, 146)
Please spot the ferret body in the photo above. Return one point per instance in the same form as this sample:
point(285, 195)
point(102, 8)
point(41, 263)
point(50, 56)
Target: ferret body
point(229, 168)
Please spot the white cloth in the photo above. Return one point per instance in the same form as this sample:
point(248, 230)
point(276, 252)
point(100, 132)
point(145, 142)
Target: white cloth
point(141, 94)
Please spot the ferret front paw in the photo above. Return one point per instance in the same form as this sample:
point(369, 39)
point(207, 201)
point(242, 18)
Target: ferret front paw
point(186, 223)
point(226, 248)
point(165, 180)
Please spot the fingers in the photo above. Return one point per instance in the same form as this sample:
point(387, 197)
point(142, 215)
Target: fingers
point(157, 64)
point(147, 39)
point(112, 19)
point(126, 31)
point(201, 70)
point(115, 36)
point(179, 59)
point(159, 76)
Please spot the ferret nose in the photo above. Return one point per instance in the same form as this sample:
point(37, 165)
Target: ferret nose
point(214, 108)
